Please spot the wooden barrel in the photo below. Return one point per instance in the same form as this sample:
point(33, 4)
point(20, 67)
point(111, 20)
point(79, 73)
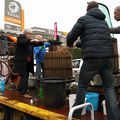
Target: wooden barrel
point(116, 56)
point(58, 64)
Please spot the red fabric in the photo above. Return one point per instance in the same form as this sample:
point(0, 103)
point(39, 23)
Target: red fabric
point(29, 58)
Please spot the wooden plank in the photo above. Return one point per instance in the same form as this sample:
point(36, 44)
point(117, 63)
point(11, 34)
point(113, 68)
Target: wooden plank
point(32, 110)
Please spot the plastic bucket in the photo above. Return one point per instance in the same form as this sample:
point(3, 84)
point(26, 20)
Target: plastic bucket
point(2, 85)
point(72, 98)
point(92, 98)
point(53, 92)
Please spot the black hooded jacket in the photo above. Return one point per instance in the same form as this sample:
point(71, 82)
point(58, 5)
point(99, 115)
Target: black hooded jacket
point(94, 34)
point(24, 49)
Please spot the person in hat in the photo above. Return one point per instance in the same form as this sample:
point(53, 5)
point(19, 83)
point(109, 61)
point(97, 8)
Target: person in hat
point(40, 52)
point(23, 62)
point(97, 55)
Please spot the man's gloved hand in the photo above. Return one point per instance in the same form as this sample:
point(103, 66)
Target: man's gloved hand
point(78, 44)
point(69, 44)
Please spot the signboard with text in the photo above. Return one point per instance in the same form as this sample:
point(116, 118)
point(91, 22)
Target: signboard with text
point(12, 27)
point(12, 12)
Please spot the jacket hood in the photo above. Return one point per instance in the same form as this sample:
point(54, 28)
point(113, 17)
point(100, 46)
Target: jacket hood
point(95, 12)
point(21, 36)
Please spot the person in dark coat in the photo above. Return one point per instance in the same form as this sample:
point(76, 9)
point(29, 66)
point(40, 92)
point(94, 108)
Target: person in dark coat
point(23, 63)
point(97, 54)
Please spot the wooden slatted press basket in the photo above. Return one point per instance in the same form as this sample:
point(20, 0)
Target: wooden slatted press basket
point(58, 62)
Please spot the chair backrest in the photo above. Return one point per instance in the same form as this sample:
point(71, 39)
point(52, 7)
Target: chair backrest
point(79, 107)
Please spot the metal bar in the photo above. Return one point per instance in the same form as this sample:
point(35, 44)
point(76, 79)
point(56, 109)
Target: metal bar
point(81, 106)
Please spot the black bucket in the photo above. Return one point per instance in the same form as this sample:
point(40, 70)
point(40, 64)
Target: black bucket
point(53, 92)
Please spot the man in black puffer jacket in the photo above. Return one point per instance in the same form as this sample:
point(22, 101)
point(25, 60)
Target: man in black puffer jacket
point(97, 54)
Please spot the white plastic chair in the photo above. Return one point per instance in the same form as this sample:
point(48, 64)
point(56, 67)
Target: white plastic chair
point(81, 106)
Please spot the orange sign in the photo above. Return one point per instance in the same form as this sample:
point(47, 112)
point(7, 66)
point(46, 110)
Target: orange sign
point(22, 19)
point(12, 20)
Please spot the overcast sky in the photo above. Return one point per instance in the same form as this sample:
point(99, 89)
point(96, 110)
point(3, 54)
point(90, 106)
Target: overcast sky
point(43, 13)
